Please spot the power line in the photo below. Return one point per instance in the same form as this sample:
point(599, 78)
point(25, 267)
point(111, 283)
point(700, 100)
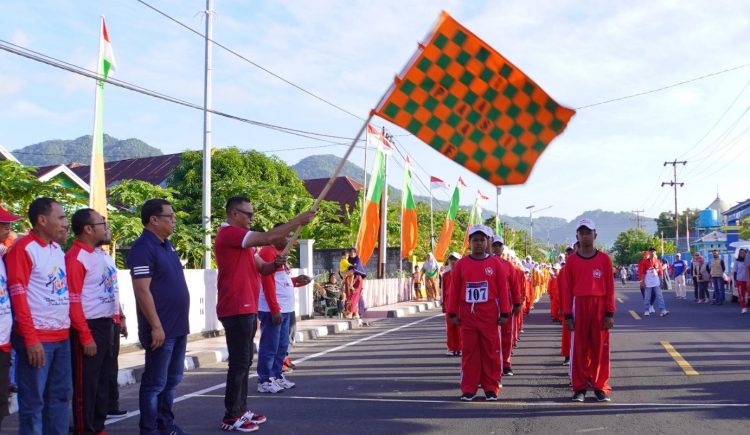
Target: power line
point(674, 183)
point(664, 87)
point(287, 81)
point(76, 69)
point(637, 217)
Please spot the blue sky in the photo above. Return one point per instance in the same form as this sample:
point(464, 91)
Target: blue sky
point(582, 52)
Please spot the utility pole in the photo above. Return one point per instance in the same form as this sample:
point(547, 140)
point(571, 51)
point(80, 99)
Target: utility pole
point(206, 220)
point(637, 217)
point(674, 184)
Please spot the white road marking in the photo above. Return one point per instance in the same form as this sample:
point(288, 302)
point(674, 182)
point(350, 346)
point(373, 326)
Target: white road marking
point(498, 403)
point(299, 361)
point(593, 429)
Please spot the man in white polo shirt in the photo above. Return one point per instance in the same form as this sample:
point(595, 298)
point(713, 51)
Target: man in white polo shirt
point(92, 280)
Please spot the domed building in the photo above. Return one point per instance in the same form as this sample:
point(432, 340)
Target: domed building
point(720, 206)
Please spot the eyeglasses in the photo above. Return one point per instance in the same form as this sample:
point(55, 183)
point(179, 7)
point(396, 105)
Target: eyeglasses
point(249, 214)
point(168, 216)
point(99, 223)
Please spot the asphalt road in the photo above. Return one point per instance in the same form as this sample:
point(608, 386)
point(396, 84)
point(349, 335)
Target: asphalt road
point(393, 377)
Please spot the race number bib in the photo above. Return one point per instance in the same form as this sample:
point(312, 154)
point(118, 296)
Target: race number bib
point(476, 292)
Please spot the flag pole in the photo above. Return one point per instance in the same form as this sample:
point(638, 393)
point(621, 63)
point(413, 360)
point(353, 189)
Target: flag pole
point(207, 127)
point(328, 185)
point(432, 225)
point(497, 210)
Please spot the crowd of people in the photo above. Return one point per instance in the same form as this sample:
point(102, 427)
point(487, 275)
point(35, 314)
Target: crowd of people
point(60, 313)
point(487, 293)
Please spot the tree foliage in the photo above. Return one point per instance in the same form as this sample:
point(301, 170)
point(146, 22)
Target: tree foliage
point(665, 222)
point(630, 245)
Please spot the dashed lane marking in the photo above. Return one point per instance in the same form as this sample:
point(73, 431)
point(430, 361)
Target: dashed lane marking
point(684, 365)
point(635, 315)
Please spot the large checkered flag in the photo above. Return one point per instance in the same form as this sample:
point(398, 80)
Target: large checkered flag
point(467, 101)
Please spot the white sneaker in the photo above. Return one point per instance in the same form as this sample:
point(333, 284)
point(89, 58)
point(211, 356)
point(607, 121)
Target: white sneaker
point(664, 313)
point(647, 313)
point(651, 309)
point(283, 382)
point(744, 311)
point(269, 387)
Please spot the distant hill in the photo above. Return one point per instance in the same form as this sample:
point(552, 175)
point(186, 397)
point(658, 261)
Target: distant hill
point(558, 230)
point(60, 151)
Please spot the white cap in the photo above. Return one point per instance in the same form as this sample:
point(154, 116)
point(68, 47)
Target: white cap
point(588, 223)
point(498, 239)
point(478, 228)
point(455, 255)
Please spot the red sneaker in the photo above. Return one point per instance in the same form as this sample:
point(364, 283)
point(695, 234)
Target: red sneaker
point(241, 424)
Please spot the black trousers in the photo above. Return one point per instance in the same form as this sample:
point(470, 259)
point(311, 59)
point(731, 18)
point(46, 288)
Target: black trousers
point(114, 387)
point(239, 332)
point(4, 379)
point(91, 378)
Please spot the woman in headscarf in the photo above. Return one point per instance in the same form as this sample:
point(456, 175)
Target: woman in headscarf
point(430, 269)
point(357, 284)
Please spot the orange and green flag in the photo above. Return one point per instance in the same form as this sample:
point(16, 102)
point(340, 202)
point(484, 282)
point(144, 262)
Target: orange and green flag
point(367, 236)
point(97, 182)
point(408, 215)
point(470, 103)
point(446, 233)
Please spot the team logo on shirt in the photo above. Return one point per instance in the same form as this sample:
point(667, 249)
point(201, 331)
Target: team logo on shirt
point(109, 279)
point(597, 273)
point(489, 271)
point(56, 282)
point(3, 289)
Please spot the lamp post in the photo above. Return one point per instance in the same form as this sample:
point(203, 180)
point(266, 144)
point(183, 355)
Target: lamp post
point(531, 223)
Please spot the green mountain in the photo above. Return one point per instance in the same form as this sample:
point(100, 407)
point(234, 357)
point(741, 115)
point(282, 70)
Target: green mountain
point(59, 151)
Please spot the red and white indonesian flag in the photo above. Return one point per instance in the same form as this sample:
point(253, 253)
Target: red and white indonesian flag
point(482, 197)
point(438, 184)
point(108, 64)
point(376, 139)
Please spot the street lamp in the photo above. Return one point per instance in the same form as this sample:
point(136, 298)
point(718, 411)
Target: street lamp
point(531, 223)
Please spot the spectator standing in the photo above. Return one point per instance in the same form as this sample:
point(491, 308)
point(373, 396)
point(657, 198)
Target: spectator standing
point(717, 269)
point(91, 281)
point(416, 279)
point(6, 318)
point(7, 236)
point(680, 268)
point(275, 310)
point(702, 277)
point(430, 271)
point(163, 304)
point(238, 285)
point(42, 319)
point(623, 274)
point(740, 278)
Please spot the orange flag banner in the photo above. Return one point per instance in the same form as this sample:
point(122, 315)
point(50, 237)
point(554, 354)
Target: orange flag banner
point(470, 103)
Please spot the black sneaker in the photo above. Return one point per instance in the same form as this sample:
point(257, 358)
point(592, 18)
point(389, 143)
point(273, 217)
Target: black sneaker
point(566, 361)
point(490, 396)
point(579, 396)
point(114, 413)
point(601, 396)
point(507, 371)
point(468, 397)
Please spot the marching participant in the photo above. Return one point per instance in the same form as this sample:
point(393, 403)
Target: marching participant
point(479, 302)
point(506, 330)
point(452, 331)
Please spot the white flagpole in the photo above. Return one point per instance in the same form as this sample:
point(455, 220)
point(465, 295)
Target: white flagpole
point(432, 225)
point(207, 99)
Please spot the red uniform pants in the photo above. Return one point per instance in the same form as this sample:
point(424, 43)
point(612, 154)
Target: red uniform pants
point(453, 335)
point(742, 292)
point(506, 340)
point(565, 342)
point(480, 354)
point(590, 359)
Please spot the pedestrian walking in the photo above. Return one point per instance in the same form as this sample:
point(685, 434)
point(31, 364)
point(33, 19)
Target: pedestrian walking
point(649, 274)
point(589, 309)
point(740, 278)
point(163, 304)
point(480, 301)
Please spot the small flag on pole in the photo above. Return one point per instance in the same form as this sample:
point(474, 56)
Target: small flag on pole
point(105, 66)
point(408, 215)
point(470, 103)
point(438, 184)
point(367, 236)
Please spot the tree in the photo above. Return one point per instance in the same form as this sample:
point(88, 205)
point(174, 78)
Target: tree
point(665, 222)
point(630, 244)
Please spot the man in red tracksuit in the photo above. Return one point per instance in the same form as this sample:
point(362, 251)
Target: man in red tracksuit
point(561, 284)
point(506, 330)
point(452, 331)
point(589, 309)
point(479, 302)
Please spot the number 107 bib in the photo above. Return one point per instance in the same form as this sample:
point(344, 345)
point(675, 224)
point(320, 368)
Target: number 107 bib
point(476, 292)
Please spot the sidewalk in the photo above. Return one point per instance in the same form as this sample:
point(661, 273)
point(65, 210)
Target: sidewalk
point(212, 350)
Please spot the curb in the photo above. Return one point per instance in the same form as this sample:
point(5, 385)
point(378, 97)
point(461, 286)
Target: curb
point(417, 307)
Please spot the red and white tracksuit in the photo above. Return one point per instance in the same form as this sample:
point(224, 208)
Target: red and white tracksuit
point(507, 330)
point(589, 296)
point(565, 339)
point(479, 296)
point(452, 332)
